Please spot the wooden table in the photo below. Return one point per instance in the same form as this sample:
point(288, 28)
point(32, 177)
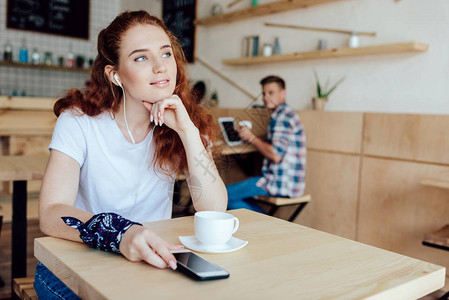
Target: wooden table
point(282, 260)
point(243, 148)
point(19, 169)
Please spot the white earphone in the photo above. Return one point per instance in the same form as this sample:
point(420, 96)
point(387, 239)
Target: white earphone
point(124, 107)
point(118, 81)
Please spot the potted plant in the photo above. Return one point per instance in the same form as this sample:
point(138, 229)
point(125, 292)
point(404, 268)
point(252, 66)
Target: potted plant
point(323, 92)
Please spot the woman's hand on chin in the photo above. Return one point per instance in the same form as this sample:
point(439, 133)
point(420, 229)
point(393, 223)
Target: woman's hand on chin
point(171, 112)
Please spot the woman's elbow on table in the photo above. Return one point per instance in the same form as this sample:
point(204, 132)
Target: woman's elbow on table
point(46, 219)
point(44, 224)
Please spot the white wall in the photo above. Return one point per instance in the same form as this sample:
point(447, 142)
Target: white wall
point(414, 83)
point(154, 7)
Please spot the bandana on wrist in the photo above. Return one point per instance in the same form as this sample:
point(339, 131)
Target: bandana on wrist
point(103, 231)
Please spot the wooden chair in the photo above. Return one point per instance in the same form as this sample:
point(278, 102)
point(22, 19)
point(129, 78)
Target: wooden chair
point(437, 239)
point(24, 289)
point(276, 202)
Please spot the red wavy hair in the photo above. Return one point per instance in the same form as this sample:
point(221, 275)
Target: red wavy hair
point(103, 96)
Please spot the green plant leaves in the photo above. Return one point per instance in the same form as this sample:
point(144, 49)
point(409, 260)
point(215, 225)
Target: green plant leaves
point(321, 93)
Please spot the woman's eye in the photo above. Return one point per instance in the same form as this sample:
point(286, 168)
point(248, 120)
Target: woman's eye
point(141, 58)
point(168, 54)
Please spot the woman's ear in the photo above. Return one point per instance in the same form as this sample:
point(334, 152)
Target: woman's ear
point(109, 71)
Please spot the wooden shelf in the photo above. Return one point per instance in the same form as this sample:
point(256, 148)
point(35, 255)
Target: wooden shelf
point(261, 10)
point(331, 53)
point(42, 67)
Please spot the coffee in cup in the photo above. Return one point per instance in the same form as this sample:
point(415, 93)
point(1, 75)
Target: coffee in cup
point(213, 228)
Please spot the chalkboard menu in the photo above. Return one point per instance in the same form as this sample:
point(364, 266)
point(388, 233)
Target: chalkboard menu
point(179, 15)
point(62, 17)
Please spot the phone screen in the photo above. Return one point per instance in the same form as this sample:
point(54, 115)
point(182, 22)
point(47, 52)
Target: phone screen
point(232, 134)
point(199, 267)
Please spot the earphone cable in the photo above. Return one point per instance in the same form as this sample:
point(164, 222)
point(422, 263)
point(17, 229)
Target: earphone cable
point(124, 115)
point(146, 164)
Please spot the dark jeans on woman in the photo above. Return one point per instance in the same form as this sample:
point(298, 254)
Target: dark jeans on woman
point(48, 286)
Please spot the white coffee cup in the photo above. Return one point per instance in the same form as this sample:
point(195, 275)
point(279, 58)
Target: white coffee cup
point(246, 123)
point(213, 228)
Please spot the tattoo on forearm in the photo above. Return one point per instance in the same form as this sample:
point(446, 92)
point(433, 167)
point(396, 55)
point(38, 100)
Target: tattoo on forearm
point(206, 164)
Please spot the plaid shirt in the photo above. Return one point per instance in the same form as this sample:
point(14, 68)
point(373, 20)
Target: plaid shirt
point(286, 135)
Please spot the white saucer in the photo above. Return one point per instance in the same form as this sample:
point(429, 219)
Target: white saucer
point(192, 243)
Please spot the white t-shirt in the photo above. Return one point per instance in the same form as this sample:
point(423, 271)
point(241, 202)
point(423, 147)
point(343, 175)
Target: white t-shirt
point(115, 176)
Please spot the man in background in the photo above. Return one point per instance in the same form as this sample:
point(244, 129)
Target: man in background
point(284, 151)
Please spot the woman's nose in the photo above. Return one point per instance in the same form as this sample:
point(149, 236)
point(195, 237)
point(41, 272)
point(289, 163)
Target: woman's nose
point(159, 66)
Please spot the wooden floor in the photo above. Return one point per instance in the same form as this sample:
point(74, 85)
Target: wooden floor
point(5, 254)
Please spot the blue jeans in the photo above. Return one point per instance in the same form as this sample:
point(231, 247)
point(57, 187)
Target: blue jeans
point(48, 286)
point(238, 192)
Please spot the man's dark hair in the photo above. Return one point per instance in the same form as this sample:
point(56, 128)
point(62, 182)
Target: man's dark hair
point(270, 79)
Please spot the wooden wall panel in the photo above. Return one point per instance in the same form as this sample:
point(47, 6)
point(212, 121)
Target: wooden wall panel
point(26, 122)
point(408, 136)
point(396, 210)
point(27, 103)
point(259, 117)
point(333, 131)
point(29, 145)
point(332, 180)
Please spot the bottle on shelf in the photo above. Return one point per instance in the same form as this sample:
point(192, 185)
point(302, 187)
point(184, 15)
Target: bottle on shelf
point(277, 46)
point(70, 59)
point(267, 49)
point(7, 54)
point(48, 59)
point(23, 52)
point(35, 57)
point(353, 40)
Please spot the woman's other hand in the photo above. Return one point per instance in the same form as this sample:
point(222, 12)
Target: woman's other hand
point(140, 243)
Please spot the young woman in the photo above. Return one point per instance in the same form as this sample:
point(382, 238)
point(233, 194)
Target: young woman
point(117, 147)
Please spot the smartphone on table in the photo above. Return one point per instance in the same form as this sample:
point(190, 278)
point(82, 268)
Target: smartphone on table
point(197, 267)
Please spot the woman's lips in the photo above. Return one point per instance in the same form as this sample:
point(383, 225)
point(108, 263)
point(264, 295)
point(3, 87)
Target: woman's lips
point(161, 83)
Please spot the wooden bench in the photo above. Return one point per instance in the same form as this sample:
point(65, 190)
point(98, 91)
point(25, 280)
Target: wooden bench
point(276, 202)
point(24, 289)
